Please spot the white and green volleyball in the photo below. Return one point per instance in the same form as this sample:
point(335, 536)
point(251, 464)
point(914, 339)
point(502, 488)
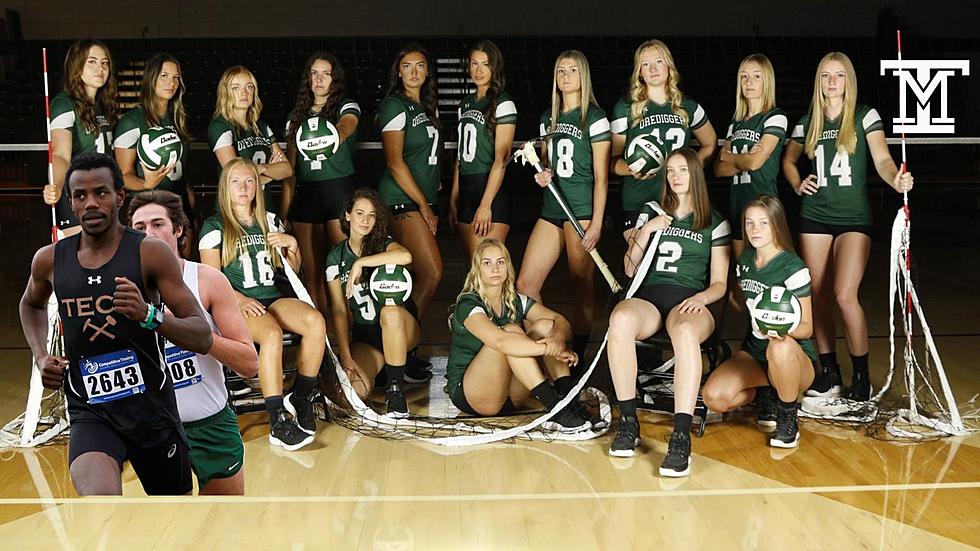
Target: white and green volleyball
point(159, 147)
point(317, 139)
point(645, 154)
point(776, 311)
point(390, 285)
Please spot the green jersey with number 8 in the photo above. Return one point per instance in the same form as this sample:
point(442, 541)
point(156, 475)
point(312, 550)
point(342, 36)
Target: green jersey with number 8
point(683, 255)
point(842, 198)
point(363, 307)
point(421, 151)
point(82, 140)
point(570, 158)
point(743, 136)
point(661, 121)
point(252, 273)
point(476, 145)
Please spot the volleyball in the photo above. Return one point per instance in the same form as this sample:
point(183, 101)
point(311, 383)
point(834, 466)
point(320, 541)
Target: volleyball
point(776, 311)
point(645, 155)
point(159, 147)
point(390, 285)
point(317, 139)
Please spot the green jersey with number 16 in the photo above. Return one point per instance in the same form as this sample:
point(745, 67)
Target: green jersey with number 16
point(421, 150)
point(252, 273)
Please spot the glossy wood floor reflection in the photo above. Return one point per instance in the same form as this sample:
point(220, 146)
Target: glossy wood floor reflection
point(841, 489)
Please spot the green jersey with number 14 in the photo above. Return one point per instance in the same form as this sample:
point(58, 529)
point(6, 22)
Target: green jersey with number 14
point(252, 273)
point(421, 150)
point(842, 198)
point(743, 136)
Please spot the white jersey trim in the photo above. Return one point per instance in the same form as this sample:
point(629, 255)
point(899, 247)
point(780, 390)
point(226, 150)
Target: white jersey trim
point(127, 139)
point(798, 131)
point(870, 118)
point(798, 280)
point(506, 108)
point(778, 120)
point(618, 126)
point(210, 240)
point(63, 121)
point(698, 116)
point(599, 127)
point(224, 140)
point(395, 124)
point(721, 230)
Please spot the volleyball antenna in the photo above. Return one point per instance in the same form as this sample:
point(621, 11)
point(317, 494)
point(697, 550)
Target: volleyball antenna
point(931, 410)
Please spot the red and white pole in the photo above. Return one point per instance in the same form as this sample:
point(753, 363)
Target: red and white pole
point(47, 123)
point(908, 236)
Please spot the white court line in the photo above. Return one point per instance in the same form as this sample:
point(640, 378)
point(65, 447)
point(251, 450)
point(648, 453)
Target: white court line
point(781, 490)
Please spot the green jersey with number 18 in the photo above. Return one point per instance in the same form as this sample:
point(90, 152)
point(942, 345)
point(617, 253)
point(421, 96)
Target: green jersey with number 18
point(661, 121)
point(252, 273)
point(842, 198)
point(570, 158)
point(421, 150)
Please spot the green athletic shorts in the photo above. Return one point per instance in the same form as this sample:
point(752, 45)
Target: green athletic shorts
point(217, 450)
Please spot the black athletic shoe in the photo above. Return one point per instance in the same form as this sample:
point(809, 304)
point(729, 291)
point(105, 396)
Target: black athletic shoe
point(765, 406)
point(395, 402)
point(826, 384)
point(302, 411)
point(627, 439)
point(787, 433)
point(678, 460)
point(566, 421)
point(860, 387)
point(415, 372)
point(287, 434)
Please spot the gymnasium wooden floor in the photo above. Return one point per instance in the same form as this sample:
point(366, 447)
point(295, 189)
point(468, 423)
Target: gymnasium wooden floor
point(841, 489)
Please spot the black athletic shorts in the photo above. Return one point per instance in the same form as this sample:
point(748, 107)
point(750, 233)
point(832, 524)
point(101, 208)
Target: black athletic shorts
point(560, 222)
point(471, 189)
point(458, 398)
point(664, 297)
point(629, 219)
point(403, 208)
point(320, 202)
point(162, 464)
point(812, 226)
point(63, 213)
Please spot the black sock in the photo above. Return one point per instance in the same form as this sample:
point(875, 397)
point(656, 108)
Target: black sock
point(303, 385)
point(564, 384)
point(682, 423)
point(786, 406)
point(395, 373)
point(860, 364)
point(829, 362)
point(273, 404)
point(627, 408)
point(545, 393)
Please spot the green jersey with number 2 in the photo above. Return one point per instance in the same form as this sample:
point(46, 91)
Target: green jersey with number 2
point(683, 255)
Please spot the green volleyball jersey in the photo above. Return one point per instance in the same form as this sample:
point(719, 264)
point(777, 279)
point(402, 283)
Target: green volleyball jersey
point(842, 198)
point(786, 270)
point(253, 272)
point(476, 146)
point(340, 259)
point(82, 140)
point(248, 145)
point(661, 121)
point(421, 151)
point(131, 126)
point(570, 158)
point(683, 256)
point(341, 163)
point(464, 346)
point(743, 136)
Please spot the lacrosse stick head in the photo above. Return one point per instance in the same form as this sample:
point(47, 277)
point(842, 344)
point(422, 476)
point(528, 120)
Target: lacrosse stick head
point(527, 154)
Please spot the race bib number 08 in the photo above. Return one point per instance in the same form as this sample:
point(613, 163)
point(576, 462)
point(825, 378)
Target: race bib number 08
point(182, 366)
point(112, 376)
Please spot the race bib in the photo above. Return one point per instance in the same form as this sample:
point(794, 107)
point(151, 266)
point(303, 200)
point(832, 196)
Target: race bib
point(182, 365)
point(112, 376)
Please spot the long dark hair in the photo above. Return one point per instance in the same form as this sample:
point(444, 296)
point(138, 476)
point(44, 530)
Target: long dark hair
point(374, 242)
point(428, 95)
point(497, 80)
point(106, 98)
point(697, 189)
point(154, 66)
point(304, 95)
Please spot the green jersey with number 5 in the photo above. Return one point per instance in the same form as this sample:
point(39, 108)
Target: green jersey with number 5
point(476, 145)
point(570, 159)
point(421, 151)
point(683, 255)
point(252, 273)
point(340, 259)
point(82, 140)
point(743, 136)
point(128, 131)
point(842, 198)
point(661, 121)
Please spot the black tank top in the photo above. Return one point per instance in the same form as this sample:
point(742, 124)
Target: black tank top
point(116, 371)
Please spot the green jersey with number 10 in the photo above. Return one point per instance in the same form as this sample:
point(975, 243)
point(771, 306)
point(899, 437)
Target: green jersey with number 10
point(476, 145)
